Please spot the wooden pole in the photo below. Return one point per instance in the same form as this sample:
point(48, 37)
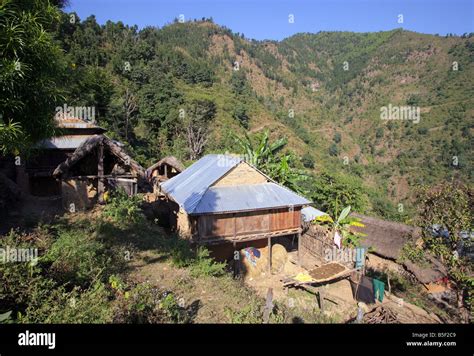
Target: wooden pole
point(236, 260)
point(299, 249)
point(100, 173)
point(269, 255)
point(268, 306)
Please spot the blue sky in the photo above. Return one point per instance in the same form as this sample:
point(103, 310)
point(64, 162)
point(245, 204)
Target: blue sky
point(268, 19)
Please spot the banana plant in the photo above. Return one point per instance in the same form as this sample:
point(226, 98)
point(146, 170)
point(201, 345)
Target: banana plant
point(342, 226)
point(262, 153)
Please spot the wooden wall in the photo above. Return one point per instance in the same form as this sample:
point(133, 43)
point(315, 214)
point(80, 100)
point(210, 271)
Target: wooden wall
point(248, 223)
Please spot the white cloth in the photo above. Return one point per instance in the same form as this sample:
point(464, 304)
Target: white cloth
point(337, 239)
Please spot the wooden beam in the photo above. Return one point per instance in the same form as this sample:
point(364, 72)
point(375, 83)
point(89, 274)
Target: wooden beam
point(100, 173)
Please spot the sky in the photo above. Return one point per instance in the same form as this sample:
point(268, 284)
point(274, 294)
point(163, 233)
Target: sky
point(271, 19)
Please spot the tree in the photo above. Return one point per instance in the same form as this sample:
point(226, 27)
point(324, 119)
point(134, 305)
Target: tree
point(331, 191)
point(240, 113)
point(199, 117)
point(450, 207)
point(31, 68)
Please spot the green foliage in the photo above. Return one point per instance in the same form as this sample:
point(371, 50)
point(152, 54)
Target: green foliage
point(331, 191)
point(308, 160)
point(451, 206)
point(240, 114)
point(203, 265)
point(343, 225)
point(249, 314)
point(267, 157)
point(5, 317)
point(334, 150)
point(414, 254)
point(80, 258)
point(31, 62)
point(57, 306)
point(10, 135)
point(198, 261)
point(142, 303)
point(124, 209)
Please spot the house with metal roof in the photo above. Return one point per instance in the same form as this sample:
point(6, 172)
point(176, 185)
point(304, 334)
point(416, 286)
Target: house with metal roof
point(224, 199)
point(35, 175)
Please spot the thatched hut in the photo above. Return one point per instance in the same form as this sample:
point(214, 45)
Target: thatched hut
point(163, 170)
point(97, 165)
point(387, 239)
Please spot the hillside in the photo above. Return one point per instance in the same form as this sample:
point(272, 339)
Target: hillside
point(324, 92)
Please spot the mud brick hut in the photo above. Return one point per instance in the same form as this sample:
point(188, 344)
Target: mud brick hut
point(97, 165)
point(223, 199)
point(163, 170)
point(35, 175)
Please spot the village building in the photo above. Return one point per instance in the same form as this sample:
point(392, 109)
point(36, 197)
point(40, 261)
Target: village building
point(98, 165)
point(386, 240)
point(34, 175)
point(164, 169)
point(223, 199)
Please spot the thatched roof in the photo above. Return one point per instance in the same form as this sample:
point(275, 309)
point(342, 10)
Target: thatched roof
point(170, 161)
point(387, 239)
point(88, 146)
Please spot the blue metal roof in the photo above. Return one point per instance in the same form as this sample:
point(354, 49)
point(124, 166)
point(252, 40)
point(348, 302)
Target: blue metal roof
point(192, 189)
point(309, 213)
point(188, 187)
point(247, 197)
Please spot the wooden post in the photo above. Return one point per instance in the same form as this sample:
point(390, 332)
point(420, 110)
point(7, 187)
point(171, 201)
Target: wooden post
point(321, 298)
point(299, 249)
point(236, 261)
point(268, 306)
point(269, 254)
point(100, 173)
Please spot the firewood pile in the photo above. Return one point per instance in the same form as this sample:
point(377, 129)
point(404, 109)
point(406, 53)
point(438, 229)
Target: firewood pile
point(380, 315)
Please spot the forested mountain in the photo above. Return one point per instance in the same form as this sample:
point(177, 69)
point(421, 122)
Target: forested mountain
point(165, 90)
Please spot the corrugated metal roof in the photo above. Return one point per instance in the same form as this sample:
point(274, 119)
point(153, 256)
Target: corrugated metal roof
point(188, 187)
point(247, 197)
point(192, 189)
point(309, 213)
point(63, 142)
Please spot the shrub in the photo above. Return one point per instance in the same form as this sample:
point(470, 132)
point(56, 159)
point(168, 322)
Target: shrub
point(249, 314)
point(78, 257)
point(56, 305)
point(203, 265)
point(308, 160)
point(123, 209)
point(143, 303)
